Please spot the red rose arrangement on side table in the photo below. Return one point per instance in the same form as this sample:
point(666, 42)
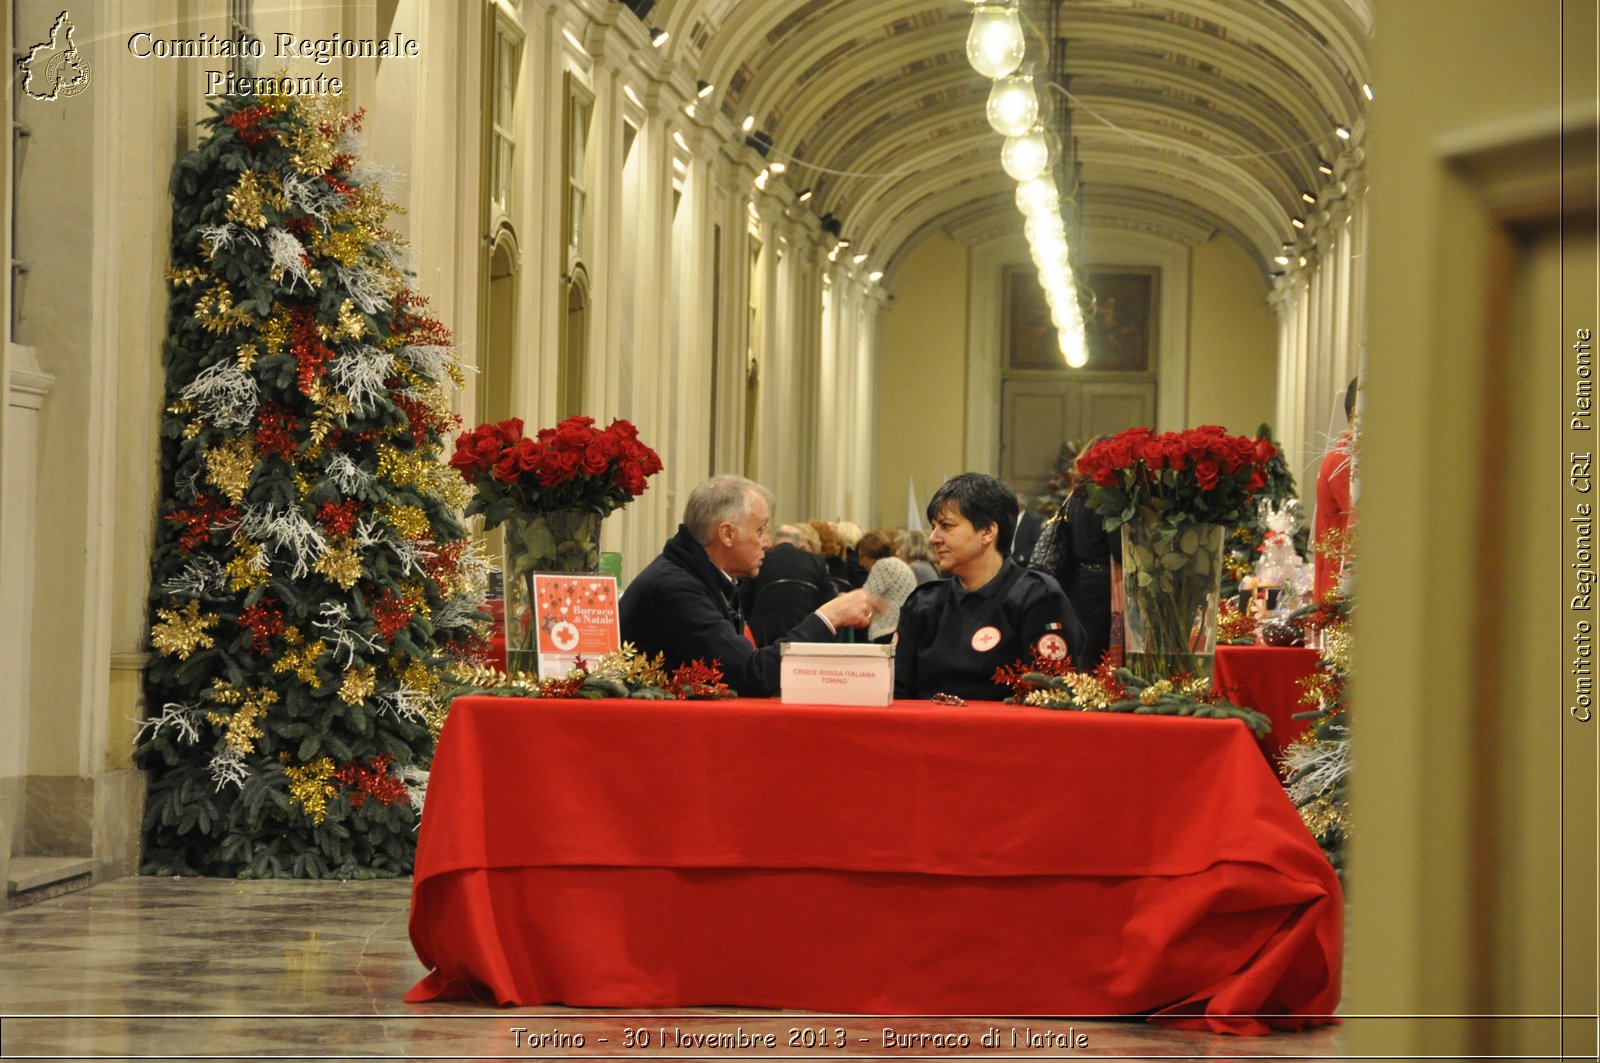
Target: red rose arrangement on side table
point(1175, 494)
point(550, 490)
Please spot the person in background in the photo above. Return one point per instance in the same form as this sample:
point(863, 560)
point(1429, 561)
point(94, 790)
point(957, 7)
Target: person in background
point(1334, 506)
point(809, 540)
point(873, 547)
point(892, 580)
point(954, 633)
point(1027, 533)
point(911, 546)
point(792, 582)
point(684, 605)
point(849, 536)
point(1075, 549)
point(832, 553)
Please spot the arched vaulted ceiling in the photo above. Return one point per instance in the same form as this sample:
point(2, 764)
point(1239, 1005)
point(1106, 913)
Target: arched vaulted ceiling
point(1184, 115)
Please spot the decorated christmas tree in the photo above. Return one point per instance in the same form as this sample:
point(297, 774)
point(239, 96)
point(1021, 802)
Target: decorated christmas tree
point(311, 578)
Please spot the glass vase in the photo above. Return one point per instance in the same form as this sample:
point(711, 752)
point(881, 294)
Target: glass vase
point(562, 540)
point(1171, 582)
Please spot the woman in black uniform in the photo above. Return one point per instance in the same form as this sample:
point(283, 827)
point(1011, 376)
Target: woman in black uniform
point(989, 612)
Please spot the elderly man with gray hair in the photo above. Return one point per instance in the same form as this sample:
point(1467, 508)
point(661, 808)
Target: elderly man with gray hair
point(685, 604)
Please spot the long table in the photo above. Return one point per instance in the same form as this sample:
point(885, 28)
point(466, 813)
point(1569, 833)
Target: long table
point(976, 860)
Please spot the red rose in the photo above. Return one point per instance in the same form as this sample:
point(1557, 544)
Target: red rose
point(507, 432)
point(595, 458)
point(1205, 471)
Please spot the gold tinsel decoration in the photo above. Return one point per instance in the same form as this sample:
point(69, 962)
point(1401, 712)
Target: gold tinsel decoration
point(247, 355)
point(358, 685)
point(216, 313)
point(246, 571)
point(182, 278)
point(331, 406)
point(351, 326)
point(314, 143)
point(341, 564)
point(1088, 690)
point(301, 658)
point(410, 521)
point(275, 330)
point(415, 594)
point(405, 468)
point(247, 201)
point(309, 786)
point(1324, 815)
point(230, 465)
point(181, 632)
point(240, 730)
point(344, 245)
point(240, 726)
point(419, 676)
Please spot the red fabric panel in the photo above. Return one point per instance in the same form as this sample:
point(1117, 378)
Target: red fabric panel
point(977, 860)
point(1267, 679)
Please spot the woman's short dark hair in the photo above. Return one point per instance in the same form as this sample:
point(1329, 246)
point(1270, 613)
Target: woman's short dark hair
point(983, 500)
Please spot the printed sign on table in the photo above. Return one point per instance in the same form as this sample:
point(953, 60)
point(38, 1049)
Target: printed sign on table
point(577, 618)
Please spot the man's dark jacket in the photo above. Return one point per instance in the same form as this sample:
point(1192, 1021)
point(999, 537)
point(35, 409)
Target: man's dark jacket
point(683, 607)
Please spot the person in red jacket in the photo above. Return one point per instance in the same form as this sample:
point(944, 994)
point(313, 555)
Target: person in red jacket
point(1334, 506)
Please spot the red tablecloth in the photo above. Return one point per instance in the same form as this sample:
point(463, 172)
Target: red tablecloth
point(1267, 679)
point(980, 860)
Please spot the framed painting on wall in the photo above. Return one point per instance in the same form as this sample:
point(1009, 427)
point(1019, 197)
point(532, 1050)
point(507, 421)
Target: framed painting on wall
point(1120, 328)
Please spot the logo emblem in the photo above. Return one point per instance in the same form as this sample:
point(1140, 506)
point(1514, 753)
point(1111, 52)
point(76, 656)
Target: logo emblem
point(1053, 646)
point(986, 638)
point(54, 69)
point(565, 636)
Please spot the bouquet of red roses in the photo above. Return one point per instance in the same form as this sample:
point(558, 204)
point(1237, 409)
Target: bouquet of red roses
point(1203, 475)
point(571, 466)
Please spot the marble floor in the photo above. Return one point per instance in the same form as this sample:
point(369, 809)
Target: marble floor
point(144, 968)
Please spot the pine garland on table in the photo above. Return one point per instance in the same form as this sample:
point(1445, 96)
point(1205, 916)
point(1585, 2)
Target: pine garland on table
point(311, 577)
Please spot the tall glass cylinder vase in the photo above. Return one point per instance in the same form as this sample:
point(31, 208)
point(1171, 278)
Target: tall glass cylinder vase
point(1171, 579)
point(563, 540)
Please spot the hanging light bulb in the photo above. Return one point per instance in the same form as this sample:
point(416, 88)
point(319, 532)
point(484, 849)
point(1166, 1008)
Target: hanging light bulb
point(1074, 348)
point(1038, 196)
point(1013, 105)
point(1025, 157)
point(994, 43)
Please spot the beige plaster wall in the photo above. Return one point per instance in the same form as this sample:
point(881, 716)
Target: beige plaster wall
point(920, 401)
point(1460, 649)
point(1232, 339)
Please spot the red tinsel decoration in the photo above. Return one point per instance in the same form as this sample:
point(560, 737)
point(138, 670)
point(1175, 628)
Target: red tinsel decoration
point(1011, 675)
point(197, 521)
point(444, 560)
point(339, 517)
point(391, 614)
point(264, 619)
point(275, 431)
point(422, 418)
point(373, 780)
point(412, 322)
point(697, 679)
point(245, 120)
point(311, 355)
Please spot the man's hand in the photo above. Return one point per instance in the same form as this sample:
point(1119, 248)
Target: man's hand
point(853, 609)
